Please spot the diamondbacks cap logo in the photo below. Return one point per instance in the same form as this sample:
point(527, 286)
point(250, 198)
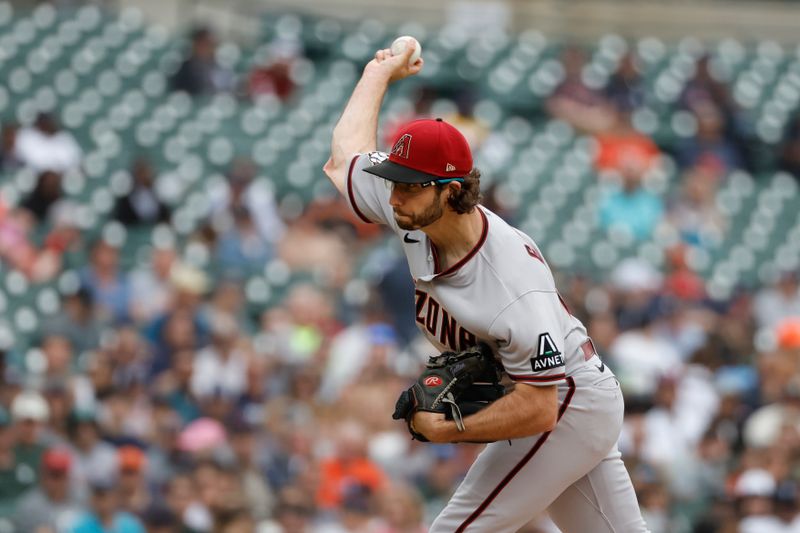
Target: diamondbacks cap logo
point(402, 146)
point(450, 167)
point(432, 381)
point(548, 355)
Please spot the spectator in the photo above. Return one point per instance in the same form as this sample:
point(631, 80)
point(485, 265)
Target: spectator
point(273, 77)
point(188, 287)
point(51, 505)
point(401, 510)
point(45, 146)
point(18, 249)
point(368, 343)
point(29, 414)
point(221, 367)
point(134, 495)
point(293, 513)
point(244, 444)
point(621, 148)
point(9, 160)
point(76, 322)
point(174, 386)
point(129, 356)
point(92, 457)
point(161, 520)
point(151, 285)
point(573, 101)
point(200, 74)
point(105, 514)
point(44, 196)
point(178, 329)
point(630, 207)
point(236, 521)
point(108, 285)
point(241, 249)
point(626, 89)
point(694, 212)
point(709, 147)
point(141, 206)
point(681, 281)
point(244, 190)
point(348, 468)
point(754, 491)
point(777, 302)
point(474, 130)
point(641, 358)
point(228, 299)
point(182, 500)
point(789, 154)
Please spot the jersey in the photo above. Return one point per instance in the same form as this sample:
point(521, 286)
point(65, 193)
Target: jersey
point(502, 292)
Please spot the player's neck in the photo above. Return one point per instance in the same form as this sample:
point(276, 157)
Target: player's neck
point(455, 235)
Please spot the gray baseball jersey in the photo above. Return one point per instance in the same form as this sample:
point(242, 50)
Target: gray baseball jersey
point(503, 293)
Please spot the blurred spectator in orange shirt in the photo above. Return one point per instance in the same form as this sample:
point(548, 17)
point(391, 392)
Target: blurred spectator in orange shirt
point(621, 145)
point(349, 467)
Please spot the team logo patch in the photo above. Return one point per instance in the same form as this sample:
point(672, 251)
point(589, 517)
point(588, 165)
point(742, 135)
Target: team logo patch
point(402, 146)
point(432, 381)
point(548, 355)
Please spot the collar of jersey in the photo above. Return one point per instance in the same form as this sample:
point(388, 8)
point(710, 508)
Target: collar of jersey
point(463, 261)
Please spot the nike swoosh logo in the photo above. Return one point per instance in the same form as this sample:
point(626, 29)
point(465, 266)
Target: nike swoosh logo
point(409, 240)
point(601, 367)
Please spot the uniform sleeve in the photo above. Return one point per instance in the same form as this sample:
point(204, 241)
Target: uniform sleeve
point(530, 334)
point(368, 194)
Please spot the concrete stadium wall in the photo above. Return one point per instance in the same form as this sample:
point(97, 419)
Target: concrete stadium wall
point(580, 19)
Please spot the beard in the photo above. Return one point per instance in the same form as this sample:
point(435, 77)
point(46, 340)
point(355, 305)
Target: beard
point(431, 214)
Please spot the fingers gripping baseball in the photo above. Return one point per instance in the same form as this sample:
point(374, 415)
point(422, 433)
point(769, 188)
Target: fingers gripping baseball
point(397, 66)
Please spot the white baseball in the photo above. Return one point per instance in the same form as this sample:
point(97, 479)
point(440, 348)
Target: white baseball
point(399, 46)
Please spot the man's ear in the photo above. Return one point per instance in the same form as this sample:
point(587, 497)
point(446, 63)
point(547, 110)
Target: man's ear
point(453, 188)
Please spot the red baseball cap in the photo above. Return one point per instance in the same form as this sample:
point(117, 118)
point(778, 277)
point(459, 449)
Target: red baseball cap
point(56, 460)
point(426, 150)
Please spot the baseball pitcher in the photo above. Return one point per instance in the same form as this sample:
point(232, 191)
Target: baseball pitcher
point(483, 287)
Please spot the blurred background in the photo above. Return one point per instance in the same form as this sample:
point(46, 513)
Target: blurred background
point(198, 336)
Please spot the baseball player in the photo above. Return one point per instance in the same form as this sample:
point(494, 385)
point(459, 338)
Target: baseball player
point(553, 437)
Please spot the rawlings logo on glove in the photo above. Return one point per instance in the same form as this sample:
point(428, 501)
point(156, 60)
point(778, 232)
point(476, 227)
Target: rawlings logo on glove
point(455, 384)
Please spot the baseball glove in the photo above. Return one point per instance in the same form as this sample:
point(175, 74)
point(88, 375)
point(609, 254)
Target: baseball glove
point(456, 384)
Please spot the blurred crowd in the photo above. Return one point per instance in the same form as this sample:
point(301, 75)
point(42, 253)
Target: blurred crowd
point(159, 399)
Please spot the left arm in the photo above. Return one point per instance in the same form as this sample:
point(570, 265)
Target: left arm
point(525, 411)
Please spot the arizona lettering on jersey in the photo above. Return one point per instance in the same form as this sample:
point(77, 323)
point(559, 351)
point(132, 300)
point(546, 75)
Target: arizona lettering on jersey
point(441, 324)
point(502, 292)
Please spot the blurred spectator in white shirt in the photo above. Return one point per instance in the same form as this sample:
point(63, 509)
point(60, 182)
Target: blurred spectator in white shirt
point(243, 189)
point(151, 286)
point(782, 300)
point(45, 146)
point(221, 367)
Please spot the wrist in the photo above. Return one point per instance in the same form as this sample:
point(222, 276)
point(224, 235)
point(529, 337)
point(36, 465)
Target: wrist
point(446, 431)
point(376, 75)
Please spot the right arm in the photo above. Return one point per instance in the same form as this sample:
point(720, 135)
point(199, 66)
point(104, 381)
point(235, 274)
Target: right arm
point(357, 129)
